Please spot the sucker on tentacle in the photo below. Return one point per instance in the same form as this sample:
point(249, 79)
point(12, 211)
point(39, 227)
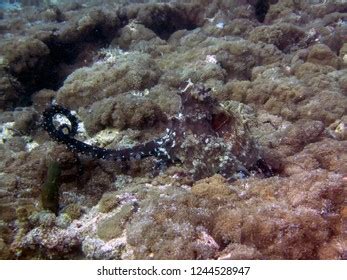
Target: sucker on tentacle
point(65, 134)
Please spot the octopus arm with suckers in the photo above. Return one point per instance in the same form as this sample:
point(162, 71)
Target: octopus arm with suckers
point(203, 136)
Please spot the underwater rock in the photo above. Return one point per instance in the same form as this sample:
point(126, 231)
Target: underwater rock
point(227, 226)
point(63, 221)
point(239, 252)
point(73, 210)
point(96, 249)
point(212, 188)
point(8, 212)
point(16, 144)
point(47, 52)
point(54, 244)
point(122, 112)
point(286, 11)
point(236, 27)
point(108, 202)
point(247, 214)
point(131, 34)
point(301, 133)
point(220, 59)
point(53, 14)
point(279, 95)
point(321, 54)
point(323, 154)
point(274, 95)
point(333, 250)
point(164, 19)
point(114, 226)
point(164, 238)
point(25, 120)
point(41, 98)
point(27, 58)
point(127, 72)
point(11, 90)
point(4, 249)
point(332, 106)
point(338, 129)
point(284, 36)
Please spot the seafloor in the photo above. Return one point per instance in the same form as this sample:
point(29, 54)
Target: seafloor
point(276, 73)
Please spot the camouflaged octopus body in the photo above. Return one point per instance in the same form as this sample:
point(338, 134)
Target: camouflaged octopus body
point(210, 139)
point(203, 136)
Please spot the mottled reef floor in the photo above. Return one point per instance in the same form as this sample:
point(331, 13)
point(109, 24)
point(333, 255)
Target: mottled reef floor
point(260, 169)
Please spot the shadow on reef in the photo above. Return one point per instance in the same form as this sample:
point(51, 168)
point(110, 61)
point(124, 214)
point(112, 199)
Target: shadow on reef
point(261, 7)
point(165, 21)
point(46, 62)
point(203, 136)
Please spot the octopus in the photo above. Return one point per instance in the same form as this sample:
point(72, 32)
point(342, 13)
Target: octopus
point(204, 137)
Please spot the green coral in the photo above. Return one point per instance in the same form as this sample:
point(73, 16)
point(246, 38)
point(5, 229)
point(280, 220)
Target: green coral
point(50, 189)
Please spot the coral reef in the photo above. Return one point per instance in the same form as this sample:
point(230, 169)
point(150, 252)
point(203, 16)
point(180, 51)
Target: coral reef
point(253, 164)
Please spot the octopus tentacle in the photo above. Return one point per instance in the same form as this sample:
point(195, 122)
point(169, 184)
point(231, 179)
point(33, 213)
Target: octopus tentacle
point(65, 134)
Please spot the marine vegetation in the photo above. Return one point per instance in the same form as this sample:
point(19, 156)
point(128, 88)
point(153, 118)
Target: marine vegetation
point(50, 189)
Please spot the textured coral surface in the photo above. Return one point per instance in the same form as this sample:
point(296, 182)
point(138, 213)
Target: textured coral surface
point(258, 164)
